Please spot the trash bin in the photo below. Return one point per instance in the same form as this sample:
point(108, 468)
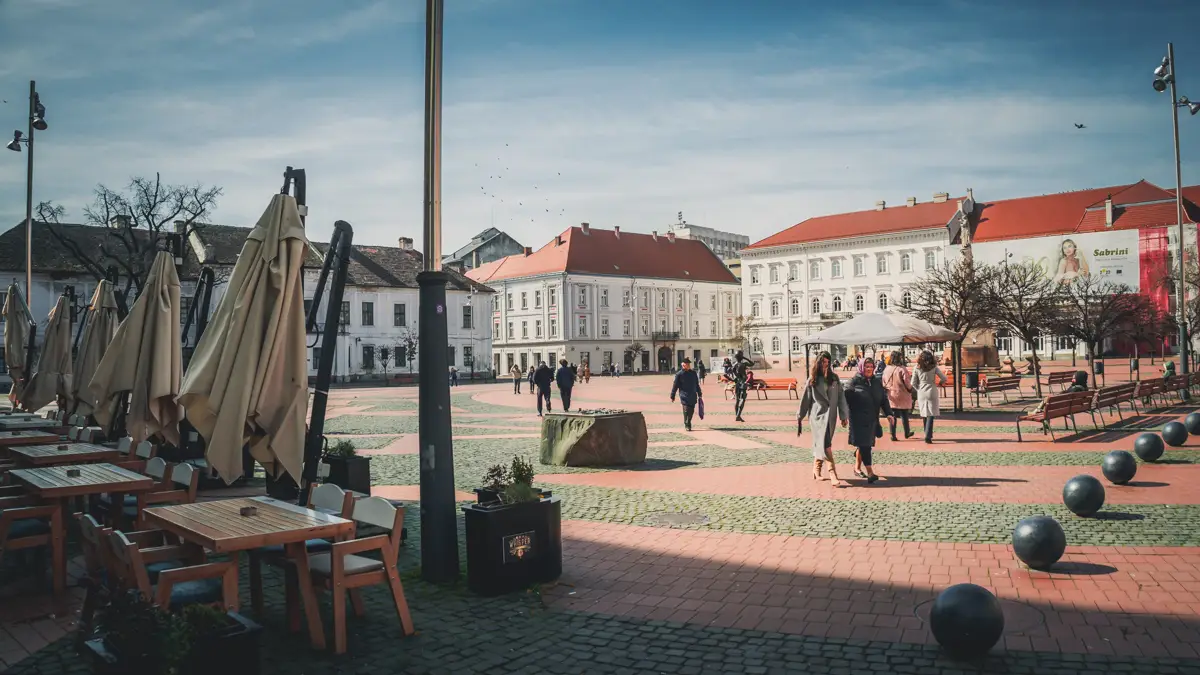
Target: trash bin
point(972, 379)
point(1133, 365)
point(1098, 367)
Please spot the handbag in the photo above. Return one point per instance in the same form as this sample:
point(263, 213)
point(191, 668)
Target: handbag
point(700, 408)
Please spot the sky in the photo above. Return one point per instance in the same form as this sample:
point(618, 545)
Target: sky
point(746, 115)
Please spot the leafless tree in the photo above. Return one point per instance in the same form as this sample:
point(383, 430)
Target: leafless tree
point(744, 328)
point(955, 296)
point(1095, 309)
point(408, 344)
point(136, 222)
point(1028, 302)
point(384, 354)
point(1150, 325)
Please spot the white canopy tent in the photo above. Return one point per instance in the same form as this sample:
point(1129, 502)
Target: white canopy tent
point(875, 328)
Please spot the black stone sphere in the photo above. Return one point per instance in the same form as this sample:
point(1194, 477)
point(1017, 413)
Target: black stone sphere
point(1192, 422)
point(1039, 541)
point(1119, 467)
point(1148, 446)
point(966, 620)
point(1175, 434)
point(1084, 495)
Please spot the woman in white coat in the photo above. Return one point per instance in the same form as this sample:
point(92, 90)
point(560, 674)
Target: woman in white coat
point(823, 403)
point(925, 380)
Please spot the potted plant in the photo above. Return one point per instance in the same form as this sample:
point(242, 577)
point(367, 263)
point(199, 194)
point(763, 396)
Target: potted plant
point(136, 637)
point(514, 532)
point(347, 469)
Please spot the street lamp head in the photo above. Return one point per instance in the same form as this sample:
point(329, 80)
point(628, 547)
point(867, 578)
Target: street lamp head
point(1160, 83)
point(15, 143)
point(1193, 107)
point(39, 114)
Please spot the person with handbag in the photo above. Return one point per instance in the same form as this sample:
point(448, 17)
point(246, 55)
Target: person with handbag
point(866, 398)
point(687, 385)
point(823, 404)
point(898, 383)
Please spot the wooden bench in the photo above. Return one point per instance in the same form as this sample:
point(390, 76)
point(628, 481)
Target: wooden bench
point(1002, 384)
point(1112, 397)
point(1061, 406)
point(1062, 378)
point(766, 384)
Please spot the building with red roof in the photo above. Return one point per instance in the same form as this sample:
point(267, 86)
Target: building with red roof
point(601, 297)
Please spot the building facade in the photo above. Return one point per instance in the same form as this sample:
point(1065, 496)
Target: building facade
point(827, 269)
point(726, 245)
point(602, 297)
point(485, 247)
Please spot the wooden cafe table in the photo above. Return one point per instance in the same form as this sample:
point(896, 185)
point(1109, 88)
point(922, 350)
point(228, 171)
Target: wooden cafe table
point(220, 527)
point(19, 423)
point(58, 483)
point(62, 453)
point(17, 437)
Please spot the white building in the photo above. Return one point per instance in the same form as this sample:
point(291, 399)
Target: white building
point(642, 301)
point(725, 244)
point(825, 270)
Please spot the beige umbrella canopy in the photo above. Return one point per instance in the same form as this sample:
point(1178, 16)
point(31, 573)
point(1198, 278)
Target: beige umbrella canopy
point(97, 334)
point(51, 381)
point(247, 382)
point(144, 359)
point(17, 320)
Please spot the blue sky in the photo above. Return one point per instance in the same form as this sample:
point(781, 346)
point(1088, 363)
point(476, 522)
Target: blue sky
point(747, 116)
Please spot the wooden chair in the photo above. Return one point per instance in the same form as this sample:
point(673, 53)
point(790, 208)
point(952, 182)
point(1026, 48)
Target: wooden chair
point(325, 497)
point(27, 524)
point(178, 486)
point(177, 587)
point(155, 467)
point(341, 569)
point(136, 460)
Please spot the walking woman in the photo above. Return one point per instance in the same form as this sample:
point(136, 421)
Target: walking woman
point(898, 383)
point(866, 398)
point(823, 404)
point(925, 380)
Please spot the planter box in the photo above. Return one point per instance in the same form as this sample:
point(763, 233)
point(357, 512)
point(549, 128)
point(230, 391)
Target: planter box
point(231, 650)
point(510, 547)
point(350, 473)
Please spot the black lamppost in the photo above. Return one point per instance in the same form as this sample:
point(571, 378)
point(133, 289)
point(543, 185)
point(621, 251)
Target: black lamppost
point(37, 122)
point(1165, 78)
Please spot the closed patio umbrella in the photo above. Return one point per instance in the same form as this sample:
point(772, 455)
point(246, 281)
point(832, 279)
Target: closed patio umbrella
point(51, 381)
point(247, 382)
point(144, 359)
point(17, 320)
point(98, 333)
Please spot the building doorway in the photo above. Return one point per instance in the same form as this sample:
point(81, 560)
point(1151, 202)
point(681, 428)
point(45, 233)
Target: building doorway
point(664, 359)
point(524, 362)
point(645, 361)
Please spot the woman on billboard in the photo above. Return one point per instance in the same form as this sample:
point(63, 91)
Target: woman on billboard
point(1071, 262)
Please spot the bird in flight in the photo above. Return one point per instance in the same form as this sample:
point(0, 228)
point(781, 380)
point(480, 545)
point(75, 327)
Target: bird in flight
point(1080, 126)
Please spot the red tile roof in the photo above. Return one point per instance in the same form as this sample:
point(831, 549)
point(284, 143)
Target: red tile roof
point(629, 254)
point(862, 223)
point(1191, 200)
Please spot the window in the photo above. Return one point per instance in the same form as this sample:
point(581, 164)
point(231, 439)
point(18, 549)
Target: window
point(316, 357)
point(368, 357)
point(696, 301)
point(344, 318)
point(469, 356)
point(553, 297)
point(905, 262)
point(774, 274)
point(508, 302)
point(450, 356)
point(604, 297)
point(645, 299)
point(775, 345)
point(553, 327)
point(524, 330)
point(881, 264)
point(583, 326)
point(624, 298)
point(398, 315)
point(583, 296)
point(368, 314)
point(695, 329)
point(756, 345)
point(679, 300)
point(795, 343)
point(815, 306)
point(729, 303)
point(603, 327)
point(754, 312)
point(835, 269)
point(837, 303)
point(185, 305)
point(754, 275)
point(792, 272)
point(537, 299)
point(625, 323)
point(859, 303)
point(662, 299)
point(645, 327)
point(510, 330)
point(712, 329)
point(795, 309)
point(307, 307)
point(496, 328)
point(858, 266)
point(774, 308)
point(467, 322)
point(524, 300)
point(906, 300)
point(537, 328)
point(883, 302)
point(814, 269)
point(930, 260)
point(729, 326)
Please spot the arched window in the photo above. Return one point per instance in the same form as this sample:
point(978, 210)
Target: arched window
point(906, 300)
point(837, 303)
point(754, 309)
point(775, 345)
point(795, 306)
point(795, 343)
point(774, 308)
point(816, 305)
point(756, 345)
point(883, 302)
point(859, 303)
point(905, 262)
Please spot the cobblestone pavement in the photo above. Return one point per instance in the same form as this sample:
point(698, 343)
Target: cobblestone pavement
point(721, 554)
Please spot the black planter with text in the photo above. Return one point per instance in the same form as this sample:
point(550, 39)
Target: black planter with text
point(512, 546)
point(350, 473)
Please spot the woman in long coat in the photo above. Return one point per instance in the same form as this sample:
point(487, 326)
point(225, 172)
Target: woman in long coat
point(898, 384)
point(866, 398)
point(823, 403)
point(925, 379)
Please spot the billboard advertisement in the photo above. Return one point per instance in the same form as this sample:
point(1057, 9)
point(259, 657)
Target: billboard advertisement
point(1113, 255)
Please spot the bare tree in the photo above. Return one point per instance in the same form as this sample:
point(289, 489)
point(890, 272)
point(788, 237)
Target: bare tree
point(1095, 309)
point(1028, 302)
point(408, 343)
point(635, 350)
point(744, 328)
point(384, 353)
point(955, 296)
point(1150, 325)
point(136, 221)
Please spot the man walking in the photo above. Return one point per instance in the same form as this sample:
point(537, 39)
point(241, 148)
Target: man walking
point(542, 377)
point(517, 376)
point(687, 385)
point(741, 380)
point(565, 377)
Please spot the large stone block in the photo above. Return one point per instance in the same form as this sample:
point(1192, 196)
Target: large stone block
point(574, 439)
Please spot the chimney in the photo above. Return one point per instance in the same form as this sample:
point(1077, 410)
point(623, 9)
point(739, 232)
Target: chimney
point(475, 258)
point(1108, 212)
point(586, 228)
point(941, 197)
point(654, 235)
point(558, 240)
point(180, 226)
point(912, 201)
point(671, 237)
point(119, 221)
point(971, 195)
point(617, 231)
point(528, 251)
point(880, 205)
point(406, 243)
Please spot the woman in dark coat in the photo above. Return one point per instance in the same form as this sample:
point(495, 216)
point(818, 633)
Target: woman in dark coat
point(866, 397)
